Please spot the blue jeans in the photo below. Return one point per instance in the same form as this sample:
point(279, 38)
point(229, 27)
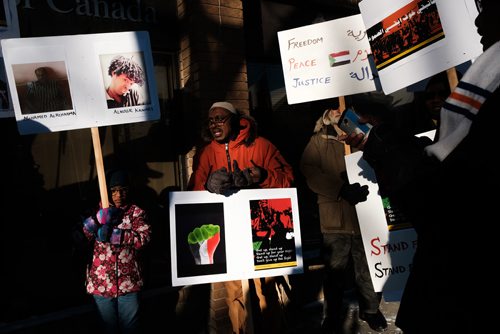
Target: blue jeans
point(119, 315)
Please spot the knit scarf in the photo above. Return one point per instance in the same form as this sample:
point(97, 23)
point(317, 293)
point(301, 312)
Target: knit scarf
point(463, 104)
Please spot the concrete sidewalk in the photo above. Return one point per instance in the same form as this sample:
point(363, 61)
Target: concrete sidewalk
point(308, 319)
point(161, 316)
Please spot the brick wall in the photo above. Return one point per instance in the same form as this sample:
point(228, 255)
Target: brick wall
point(212, 52)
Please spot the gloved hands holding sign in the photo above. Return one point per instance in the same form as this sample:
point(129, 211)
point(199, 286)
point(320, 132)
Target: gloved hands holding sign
point(241, 178)
point(108, 218)
point(219, 181)
point(249, 176)
point(352, 193)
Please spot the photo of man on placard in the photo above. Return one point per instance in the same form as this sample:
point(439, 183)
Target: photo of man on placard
point(124, 80)
point(42, 87)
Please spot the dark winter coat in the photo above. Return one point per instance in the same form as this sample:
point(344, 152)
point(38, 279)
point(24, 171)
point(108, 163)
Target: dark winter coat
point(322, 163)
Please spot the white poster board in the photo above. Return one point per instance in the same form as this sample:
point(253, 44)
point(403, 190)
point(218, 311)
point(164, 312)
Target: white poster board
point(327, 59)
point(79, 64)
point(9, 28)
point(389, 248)
point(412, 40)
point(252, 233)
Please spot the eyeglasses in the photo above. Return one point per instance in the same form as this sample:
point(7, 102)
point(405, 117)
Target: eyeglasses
point(218, 120)
point(119, 190)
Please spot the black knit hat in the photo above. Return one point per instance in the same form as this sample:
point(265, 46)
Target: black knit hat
point(118, 178)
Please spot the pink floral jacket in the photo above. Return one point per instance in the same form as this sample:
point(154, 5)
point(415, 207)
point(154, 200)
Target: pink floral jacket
point(115, 268)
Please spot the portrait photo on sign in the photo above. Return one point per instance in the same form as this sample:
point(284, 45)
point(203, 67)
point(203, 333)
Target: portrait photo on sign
point(125, 80)
point(42, 87)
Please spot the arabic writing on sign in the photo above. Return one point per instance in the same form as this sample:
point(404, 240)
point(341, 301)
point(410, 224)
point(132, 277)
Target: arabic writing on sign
point(357, 37)
point(359, 53)
point(365, 74)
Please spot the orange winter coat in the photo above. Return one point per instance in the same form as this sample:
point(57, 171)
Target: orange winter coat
point(262, 152)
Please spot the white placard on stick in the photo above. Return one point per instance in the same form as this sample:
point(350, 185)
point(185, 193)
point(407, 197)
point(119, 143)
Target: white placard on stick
point(389, 242)
point(412, 40)
point(80, 65)
point(325, 60)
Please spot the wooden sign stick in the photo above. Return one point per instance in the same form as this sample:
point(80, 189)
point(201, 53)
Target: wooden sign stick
point(100, 167)
point(452, 78)
point(341, 103)
point(347, 148)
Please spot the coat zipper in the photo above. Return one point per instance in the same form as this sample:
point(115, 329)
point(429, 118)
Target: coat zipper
point(228, 158)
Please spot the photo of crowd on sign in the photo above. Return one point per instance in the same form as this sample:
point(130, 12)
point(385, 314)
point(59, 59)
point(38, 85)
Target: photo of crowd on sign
point(272, 233)
point(404, 32)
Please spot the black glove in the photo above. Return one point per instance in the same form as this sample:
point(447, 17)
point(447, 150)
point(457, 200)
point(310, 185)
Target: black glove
point(258, 174)
point(241, 178)
point(354, 193)
point(219, 181)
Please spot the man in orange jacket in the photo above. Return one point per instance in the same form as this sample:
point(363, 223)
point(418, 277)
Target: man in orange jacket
point(234, 158)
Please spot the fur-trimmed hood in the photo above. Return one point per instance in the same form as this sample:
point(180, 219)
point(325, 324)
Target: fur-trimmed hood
point(322, 124)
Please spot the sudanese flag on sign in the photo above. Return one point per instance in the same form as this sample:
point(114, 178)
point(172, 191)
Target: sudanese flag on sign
point(339, 58)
